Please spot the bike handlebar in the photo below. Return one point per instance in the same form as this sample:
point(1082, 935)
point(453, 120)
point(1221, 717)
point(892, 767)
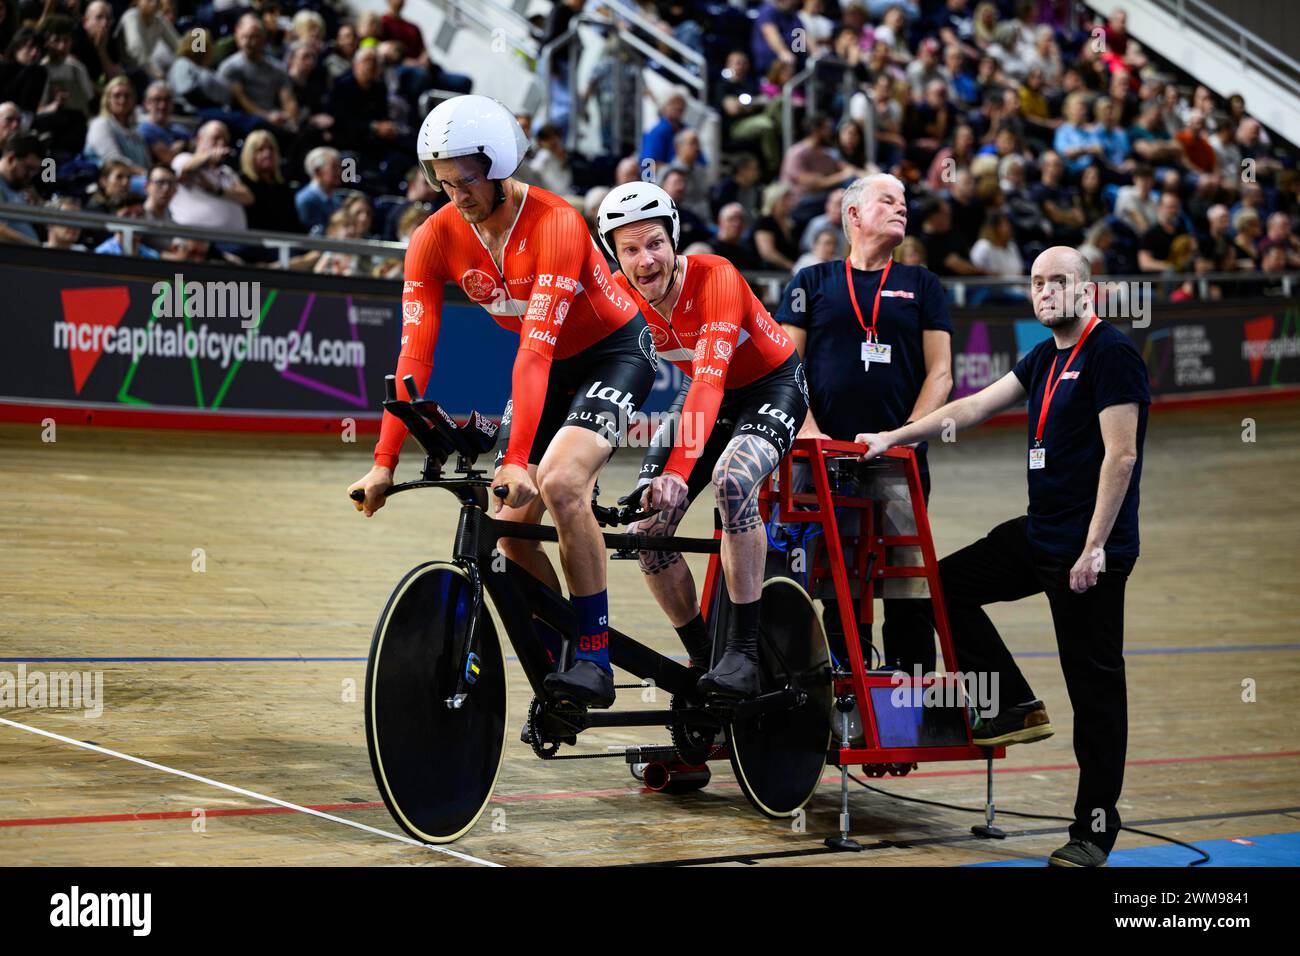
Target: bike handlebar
point(605, 516)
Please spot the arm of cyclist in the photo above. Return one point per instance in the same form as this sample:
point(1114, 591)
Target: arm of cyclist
point(728, 296)
point(422, 294)
point(663, 493)
point(563, 242)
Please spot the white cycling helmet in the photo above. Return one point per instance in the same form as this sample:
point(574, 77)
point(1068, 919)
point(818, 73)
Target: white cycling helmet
point(471, 125)
point(635, 202)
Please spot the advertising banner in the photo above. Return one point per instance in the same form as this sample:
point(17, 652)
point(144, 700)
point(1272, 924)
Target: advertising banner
point(223, 347)
point(1195, 348)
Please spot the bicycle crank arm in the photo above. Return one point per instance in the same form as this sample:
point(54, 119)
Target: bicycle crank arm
point(649, 718)
point(787, 698)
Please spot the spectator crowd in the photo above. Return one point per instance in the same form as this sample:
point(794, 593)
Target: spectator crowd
point(1014, 124)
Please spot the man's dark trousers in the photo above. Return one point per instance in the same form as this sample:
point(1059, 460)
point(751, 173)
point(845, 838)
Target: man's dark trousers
point(1004, 566)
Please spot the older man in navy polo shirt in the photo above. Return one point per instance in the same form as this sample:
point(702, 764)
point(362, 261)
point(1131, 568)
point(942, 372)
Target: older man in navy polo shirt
point(1088, 396)
point(876, 342)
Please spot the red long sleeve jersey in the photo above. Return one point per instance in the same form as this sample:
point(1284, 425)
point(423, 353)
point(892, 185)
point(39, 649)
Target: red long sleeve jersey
point(554, 288)
point(719, 334)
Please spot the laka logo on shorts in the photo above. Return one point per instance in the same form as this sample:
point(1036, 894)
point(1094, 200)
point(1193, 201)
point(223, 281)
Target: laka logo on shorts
point(769, 409)
point(607, 393)
point(75, 909)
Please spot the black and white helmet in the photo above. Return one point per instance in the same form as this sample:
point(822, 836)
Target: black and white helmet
point(635, 202)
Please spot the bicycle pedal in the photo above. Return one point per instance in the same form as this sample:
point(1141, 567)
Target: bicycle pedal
point(564, 707)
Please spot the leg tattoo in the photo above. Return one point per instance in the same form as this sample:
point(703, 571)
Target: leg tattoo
point(662, 524)
point(739, 473)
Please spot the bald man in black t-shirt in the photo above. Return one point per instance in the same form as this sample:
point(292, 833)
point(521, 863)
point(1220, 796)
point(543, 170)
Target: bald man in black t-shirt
point(1088, 396)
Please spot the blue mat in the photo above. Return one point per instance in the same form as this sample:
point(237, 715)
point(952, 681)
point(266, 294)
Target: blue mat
point(1274, 849)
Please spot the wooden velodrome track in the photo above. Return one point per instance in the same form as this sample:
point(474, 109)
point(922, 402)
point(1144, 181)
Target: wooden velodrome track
point(240, 673)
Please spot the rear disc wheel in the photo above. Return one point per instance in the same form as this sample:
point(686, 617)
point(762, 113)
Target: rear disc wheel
point(779, 756)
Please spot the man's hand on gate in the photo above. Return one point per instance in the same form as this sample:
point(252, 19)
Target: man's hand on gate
point(665, 493)
point(877, 444)
point(520, 484)
point(1084, 573)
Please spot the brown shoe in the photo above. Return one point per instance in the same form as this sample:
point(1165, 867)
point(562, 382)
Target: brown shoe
point(1022, 724)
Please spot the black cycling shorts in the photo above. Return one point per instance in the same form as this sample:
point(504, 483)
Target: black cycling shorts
point(599, 389)
point(772, 407)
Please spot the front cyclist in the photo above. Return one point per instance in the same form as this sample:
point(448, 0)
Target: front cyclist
point(584, 361)
point(744, 399)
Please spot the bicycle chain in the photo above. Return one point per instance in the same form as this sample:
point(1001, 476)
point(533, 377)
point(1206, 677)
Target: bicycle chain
point(680, 734)
point(540, 747)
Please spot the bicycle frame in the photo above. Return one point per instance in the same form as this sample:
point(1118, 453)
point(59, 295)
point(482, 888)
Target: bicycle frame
point(519, 597)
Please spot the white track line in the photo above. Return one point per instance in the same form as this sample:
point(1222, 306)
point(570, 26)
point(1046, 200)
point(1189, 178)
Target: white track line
point(247, 793)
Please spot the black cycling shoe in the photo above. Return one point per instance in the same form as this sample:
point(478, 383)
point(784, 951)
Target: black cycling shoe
point(586, 682)
point(736, 674)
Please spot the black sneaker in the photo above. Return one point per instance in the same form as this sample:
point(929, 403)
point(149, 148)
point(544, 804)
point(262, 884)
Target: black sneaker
point(1078, 853)
point(586, 682)
point(1022, 724)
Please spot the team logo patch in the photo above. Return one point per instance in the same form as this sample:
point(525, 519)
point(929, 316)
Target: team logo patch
point(722, 350)
point(411, 312)
point(561, 312)
point(660, 336)
point(801, 380)
point(538, 306)
point(478, 285)
point(647, 342)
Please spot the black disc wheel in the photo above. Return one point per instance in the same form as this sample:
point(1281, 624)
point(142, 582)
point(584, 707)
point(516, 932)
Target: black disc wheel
point(779, 756)
point(436, 764)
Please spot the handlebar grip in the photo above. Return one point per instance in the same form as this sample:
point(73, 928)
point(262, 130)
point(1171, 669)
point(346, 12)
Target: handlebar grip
point(357, 495)
point(633, 498)
point(501, 491)
point(390, 388)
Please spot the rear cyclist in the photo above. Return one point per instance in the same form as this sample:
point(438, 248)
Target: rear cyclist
point(740, 408)
point(584, 362)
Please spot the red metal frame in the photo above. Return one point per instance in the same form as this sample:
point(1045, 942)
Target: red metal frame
point(830, 563)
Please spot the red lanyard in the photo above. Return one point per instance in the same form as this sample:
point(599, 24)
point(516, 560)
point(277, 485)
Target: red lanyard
point(1049, 387)
point(875, 307)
